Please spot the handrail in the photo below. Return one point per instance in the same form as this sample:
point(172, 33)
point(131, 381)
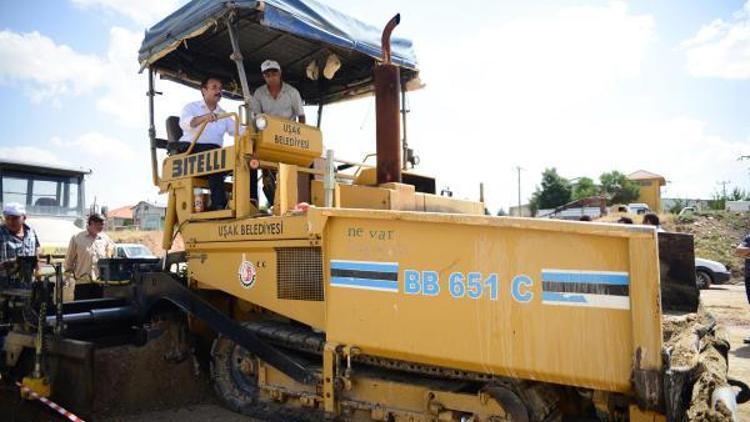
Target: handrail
point(219, 116)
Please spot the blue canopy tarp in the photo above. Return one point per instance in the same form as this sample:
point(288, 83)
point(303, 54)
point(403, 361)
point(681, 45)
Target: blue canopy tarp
point(193, 42)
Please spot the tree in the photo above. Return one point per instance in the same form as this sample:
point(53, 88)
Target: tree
point(718, 202)
point(584, 188)
point(738, 194)
point(678, 205)
point(501, 212)
point(555, 191)
point(618, 188)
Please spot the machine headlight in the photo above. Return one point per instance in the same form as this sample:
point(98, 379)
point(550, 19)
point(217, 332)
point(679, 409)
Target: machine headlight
point(261, 123)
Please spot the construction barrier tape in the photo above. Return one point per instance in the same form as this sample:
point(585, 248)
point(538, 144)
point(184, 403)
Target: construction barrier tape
point(59, 409)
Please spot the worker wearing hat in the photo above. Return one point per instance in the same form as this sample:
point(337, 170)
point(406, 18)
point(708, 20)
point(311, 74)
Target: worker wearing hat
point(277, 97)
point(84, 251)
point(17, 239)
point(280, 99)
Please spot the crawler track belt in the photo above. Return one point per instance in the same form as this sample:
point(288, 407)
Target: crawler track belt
point(542, 398)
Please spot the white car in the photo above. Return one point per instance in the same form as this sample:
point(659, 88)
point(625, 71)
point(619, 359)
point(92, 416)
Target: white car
point(638, 208)
point(708, 272)
point(132, 250)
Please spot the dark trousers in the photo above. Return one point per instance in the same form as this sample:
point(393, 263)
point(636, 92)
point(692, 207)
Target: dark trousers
point(747, 279)
point(215, 181)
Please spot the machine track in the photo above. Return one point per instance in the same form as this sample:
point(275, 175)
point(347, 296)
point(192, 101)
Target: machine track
point(540, 400)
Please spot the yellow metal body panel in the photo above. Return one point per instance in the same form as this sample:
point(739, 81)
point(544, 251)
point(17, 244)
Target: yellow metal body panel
point(501, 319)
point(571, 345)
point(350, 196)
point(198, 164)
point(368, 176)
point(218, 249)
point(394, 196)
point(287, 141)
point(434, 203)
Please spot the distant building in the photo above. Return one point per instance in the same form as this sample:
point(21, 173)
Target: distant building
point(120, 218)
point(525, 211)
point(650, 184)
point(147, 216)
point(737, 206)
point(669, 203)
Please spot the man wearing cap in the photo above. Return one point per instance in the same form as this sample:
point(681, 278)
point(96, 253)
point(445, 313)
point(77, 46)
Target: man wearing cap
point(192, 117)
point(16, 238)
point(276, 97)
point(84, 250)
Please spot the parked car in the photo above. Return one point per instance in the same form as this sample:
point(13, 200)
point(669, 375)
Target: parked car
point(638, 208)
point(133, 250)
point(687, 211)
point(709, 272)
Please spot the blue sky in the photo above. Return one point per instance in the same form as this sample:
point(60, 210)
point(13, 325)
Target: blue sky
point(585, 86)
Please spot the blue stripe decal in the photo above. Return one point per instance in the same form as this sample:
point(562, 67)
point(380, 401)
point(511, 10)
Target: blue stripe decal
point(384, 267)
point(364, 283)
point(578, 277)
point(562, 297)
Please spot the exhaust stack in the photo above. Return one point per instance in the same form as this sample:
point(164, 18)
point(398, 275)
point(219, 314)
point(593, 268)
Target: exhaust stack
point(388, 129)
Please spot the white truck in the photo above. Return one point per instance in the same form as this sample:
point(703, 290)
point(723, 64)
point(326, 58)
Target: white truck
point(54, 197)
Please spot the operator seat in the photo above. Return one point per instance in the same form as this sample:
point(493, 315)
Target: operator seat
point(174, 133)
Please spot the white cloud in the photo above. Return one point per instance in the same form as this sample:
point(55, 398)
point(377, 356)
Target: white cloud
point(721, 49)
point(51, 72)
point(528, 92)
point(46, 69)
point(31, 154)
point(143, 12)
point(96, 145)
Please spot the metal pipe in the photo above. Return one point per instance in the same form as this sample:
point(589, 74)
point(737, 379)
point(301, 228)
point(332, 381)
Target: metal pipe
point(329, 180)
point(388, 126)
point(151, 128)
point(385, 39)
point(98, 315)
point(58, 299)
point(169, 221)
point(404, 142)
point(236, 56)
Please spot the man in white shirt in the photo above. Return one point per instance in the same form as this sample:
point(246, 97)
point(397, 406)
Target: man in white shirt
point(191, 119)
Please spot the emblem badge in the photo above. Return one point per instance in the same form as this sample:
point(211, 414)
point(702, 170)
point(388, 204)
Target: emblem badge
point(247, 273)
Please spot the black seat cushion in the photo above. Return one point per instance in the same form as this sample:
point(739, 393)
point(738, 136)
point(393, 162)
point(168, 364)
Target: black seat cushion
point(174, 131)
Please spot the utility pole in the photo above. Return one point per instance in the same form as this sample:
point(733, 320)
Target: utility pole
point(723, 184)
point(518, 169)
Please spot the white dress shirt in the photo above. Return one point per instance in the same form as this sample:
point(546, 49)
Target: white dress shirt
point(214, 132)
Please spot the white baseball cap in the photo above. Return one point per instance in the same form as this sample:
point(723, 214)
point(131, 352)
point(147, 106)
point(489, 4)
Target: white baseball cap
point(14, 209)
point(269, 64)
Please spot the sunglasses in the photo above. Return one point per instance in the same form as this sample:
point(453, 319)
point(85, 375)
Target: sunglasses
point(271, 72)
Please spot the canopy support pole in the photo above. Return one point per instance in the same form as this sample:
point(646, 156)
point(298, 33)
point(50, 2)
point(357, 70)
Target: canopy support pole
point(236, 56)
point(151, 128)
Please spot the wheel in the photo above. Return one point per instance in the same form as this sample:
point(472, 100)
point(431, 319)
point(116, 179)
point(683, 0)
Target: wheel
point(703, 279)
point(526, 402)
point(234, 374)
